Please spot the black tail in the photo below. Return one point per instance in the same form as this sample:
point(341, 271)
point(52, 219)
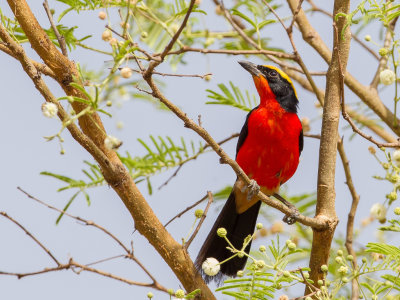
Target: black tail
point(239, 226)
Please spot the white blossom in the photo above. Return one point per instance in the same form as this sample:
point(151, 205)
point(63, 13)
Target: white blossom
point(112, 143)
point(49, 109)
point(378, 211)
point(211, 266)
point(126, 72)
point(387, 77)
point(396, 157)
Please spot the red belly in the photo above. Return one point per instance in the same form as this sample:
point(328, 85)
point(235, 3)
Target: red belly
point(270, 153)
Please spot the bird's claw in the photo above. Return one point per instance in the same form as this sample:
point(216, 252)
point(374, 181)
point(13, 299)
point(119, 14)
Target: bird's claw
point(292, 217)
point(253, 189)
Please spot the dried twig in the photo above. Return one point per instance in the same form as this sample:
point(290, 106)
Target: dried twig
point(129, 252)
point(299, 60)
point(173, 75)
point(194, 157)
point(79, 219)
point(60, 38)
point(210, 200)
point(346, 115)
point(230, 52)
point(186, 210)
point(4, 214)
point(73, 265)
point(384, 58)
point(171, 43)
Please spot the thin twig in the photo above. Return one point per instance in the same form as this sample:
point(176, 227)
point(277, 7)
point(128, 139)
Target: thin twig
point(355, 37)
point(210, 200)
point(194, 157)
point(73, 264)
point(308, 284)
point(173, 75)
point(249, 40)
point(4, 214)
point(349, 180)
point(384, 58)
point(82, 220)
point(299, 60)
point(60, 38)
point(346, 115)
point(350, 219)
point(42, 68)
point(186, 210)
point(230, 52)
point(171, 43)
point(311, 135)
point(129, 253)
point(106, 259)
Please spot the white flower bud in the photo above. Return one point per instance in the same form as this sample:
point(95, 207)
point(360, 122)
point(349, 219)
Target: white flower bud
point(126, 72)
point(396, 157)
point(49, 110)
point(211, 266)
point(387, 77)
point(378, 211)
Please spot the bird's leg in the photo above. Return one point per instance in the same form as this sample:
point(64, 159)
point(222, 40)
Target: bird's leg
point(253, 189)
point(294, 212)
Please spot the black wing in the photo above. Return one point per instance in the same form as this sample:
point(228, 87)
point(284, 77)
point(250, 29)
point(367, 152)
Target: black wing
point(244, 132)
point(301, 141)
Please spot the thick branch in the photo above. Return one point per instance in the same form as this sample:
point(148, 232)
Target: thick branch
point(115, 173)
point(40, 67)
point(327, 153)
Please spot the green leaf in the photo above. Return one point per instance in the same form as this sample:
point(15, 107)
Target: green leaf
point(383, 249)
point(244, 17)
point(66, 206)
point(57, 176)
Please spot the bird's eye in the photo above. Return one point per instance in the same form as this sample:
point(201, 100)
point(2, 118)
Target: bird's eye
point(273, 73)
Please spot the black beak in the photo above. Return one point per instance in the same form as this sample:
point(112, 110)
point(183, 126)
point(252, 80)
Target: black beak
point(250, 67)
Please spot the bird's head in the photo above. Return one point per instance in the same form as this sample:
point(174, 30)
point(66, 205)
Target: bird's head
point(271, 82)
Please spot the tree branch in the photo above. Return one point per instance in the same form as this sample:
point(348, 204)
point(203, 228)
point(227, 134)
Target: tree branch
point(113, 170)
point(328, 146)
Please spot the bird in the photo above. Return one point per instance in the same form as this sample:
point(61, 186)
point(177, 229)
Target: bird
point(268, 151)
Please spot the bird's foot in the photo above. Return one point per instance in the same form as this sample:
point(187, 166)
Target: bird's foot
point(294, 214)
point(253, 189)
point(292, 217)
